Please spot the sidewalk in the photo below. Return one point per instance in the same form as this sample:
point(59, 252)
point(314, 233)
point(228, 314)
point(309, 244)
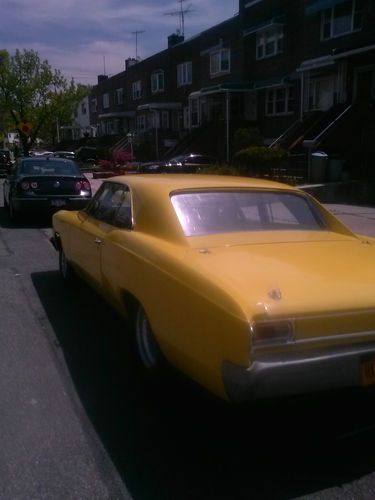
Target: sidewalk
point(359, 219)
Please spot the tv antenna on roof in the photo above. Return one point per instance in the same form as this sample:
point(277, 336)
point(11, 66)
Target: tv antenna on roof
point(136, 33)
point(181, 12)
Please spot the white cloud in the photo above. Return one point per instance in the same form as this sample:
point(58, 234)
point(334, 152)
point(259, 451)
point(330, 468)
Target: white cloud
point(76, 37)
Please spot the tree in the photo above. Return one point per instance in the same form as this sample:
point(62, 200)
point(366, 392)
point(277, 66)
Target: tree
point(34, 95)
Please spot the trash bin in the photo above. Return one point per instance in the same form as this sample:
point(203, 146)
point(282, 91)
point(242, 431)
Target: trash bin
point(318, 171)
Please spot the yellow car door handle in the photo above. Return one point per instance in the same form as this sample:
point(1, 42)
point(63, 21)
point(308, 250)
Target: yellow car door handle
point(98, 241)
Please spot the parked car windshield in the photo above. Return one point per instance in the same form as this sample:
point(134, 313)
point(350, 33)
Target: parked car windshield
point(202, 213)
point(49, 167)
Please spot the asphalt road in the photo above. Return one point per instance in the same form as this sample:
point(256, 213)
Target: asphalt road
point(78, 420)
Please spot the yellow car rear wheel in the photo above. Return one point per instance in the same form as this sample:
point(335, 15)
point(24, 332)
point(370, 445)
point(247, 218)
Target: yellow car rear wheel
point(147, 347)
point(66, 271)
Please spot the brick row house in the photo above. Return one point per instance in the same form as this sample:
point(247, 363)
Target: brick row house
point(303, 72)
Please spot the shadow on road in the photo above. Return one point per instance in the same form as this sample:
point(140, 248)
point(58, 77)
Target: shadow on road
point(171, 440)
point(26, 221)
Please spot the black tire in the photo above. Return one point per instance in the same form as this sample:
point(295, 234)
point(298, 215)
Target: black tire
point(14, 215)
point(65, 269)
point(6, 204)
point(148, 350)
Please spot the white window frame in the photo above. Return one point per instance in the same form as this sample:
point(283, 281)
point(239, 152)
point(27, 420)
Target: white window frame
point(330, 21)
point(83, 108)
point(105, 100)
point(137, 90)
point(119, 96)
point(184, 73)
point(264, 38)
point(157, 81)
point(219, 62)
point(274, 97)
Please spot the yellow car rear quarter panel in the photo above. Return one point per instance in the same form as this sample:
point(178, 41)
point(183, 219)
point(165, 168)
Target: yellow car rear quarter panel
point(196, 323)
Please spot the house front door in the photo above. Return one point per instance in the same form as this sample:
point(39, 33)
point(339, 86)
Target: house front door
point(364, 83)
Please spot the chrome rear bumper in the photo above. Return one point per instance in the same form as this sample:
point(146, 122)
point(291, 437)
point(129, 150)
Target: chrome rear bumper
point(296, 373)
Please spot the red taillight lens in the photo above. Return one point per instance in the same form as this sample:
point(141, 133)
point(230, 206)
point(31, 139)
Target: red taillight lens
point(83, 186)
point(272, 332)
point(26, 185)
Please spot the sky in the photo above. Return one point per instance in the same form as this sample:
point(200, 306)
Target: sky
point(85, 38)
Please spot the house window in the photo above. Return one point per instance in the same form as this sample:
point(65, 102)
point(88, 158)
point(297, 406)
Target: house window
point(342, 18)
point(83, 108)
point(137, 90)
point(105, 101)
point(184, 74)
point(119, 96)
point(269, 42)
point(220, 62)
point(157, 82)
point(94, 105)
point(279, 101)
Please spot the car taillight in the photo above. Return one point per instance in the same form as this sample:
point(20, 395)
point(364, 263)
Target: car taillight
point(83, 186)
point(26, 185)
point(272, 332)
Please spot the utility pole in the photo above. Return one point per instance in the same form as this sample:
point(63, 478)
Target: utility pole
point(181, 14)
point(136, 33)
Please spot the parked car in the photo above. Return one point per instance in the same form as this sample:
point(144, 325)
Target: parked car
point(45, 184)
point(40, 152)
point(86, 153)
point(190, 163)
point(64, 154)
point(249, 287)
point(5, 161)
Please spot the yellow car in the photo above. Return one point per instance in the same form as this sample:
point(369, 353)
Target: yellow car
point(249, 287)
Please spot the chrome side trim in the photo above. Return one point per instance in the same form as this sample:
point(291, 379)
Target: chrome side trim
point(350, 336)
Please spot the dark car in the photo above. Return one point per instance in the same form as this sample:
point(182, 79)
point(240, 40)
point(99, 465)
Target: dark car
point(65, 154)
point(188, 163)
point(5, 161)
point(45, 184)
point(87, 153)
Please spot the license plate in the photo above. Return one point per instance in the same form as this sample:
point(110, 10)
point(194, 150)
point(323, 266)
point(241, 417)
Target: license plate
point(58, 203)
point(368, 371)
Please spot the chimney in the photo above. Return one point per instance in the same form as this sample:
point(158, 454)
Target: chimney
point(101, 78)
point(174, 39)
point(130, 62)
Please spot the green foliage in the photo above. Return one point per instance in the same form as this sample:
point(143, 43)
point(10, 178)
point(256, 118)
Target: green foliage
point(34, 93)
point(246, 137)
point(220, 170)
point(259, 160)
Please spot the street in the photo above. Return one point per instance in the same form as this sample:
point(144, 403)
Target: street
point(80, 421)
